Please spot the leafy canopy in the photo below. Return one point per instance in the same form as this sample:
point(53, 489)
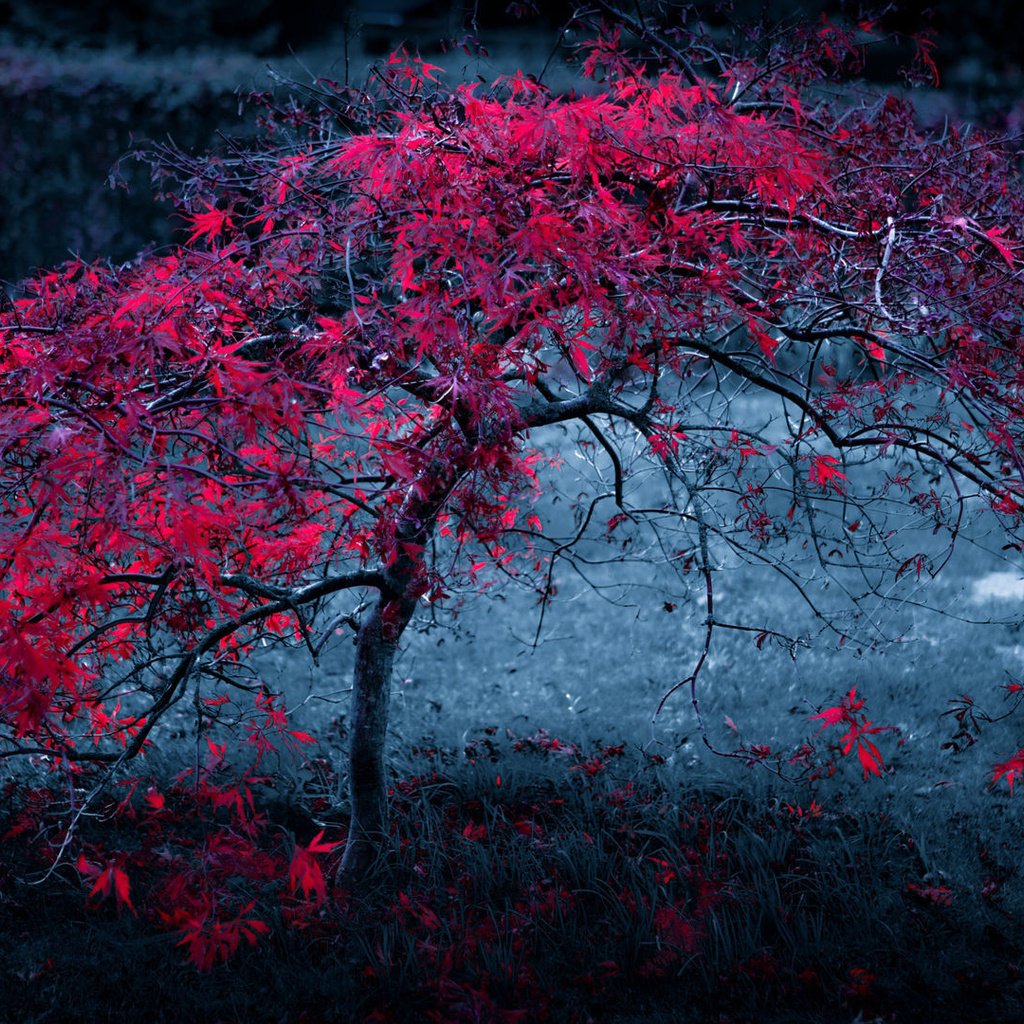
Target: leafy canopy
point(781, 291)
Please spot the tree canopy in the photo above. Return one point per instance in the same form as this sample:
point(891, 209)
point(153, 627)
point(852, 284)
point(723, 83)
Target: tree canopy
point(726, 263)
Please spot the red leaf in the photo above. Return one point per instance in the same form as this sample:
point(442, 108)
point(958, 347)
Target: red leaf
point(316, 846)
point(936, 895)
point(111, 880)
point(209, 224)
point(766, 343)
point(825, 472)
point(122, 889)
point(842, 712)
point(874, 349)
point(579, 359)
point(154, 799)
point(474, 833)
point(913, 562)
point(304, 873)
point(1010, 770)
point(869, 757)
point(995, 236)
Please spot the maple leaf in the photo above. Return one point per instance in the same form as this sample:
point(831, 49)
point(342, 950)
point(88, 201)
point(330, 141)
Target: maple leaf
point(315, 845)
point(936, 895)
point(867, 753)
point(1006, 505)
point(913, 562)
point(576, 345)
point(674, 929)
point(110, 880)
point(427, 70)
point(842, 712)
point(766, 343)
point(859, 728)
point(474, 833)
point(873, 349)
point(154, 799)
point(825, 472)
point(305, 873)
point(210, 224)
point(995, 236)
point(1011, 770)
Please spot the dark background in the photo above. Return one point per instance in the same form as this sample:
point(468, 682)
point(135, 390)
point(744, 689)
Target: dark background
point(81, 83)
point(993, 28)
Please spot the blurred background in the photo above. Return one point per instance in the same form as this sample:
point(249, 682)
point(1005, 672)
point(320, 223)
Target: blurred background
point(81, 83)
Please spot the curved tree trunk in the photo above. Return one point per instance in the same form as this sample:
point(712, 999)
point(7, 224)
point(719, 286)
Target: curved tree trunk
point(376, 647)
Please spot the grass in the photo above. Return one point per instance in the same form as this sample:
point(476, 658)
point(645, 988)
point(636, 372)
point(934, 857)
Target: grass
point(519, 885)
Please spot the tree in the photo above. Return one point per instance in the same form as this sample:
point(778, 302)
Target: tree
point(724, 263)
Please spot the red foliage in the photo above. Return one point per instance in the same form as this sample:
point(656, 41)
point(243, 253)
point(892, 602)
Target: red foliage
point(305, 872)
point(858, 728)
point(1010, 770)
point(109, 881)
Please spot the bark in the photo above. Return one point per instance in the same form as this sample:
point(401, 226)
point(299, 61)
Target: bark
point(376, 647)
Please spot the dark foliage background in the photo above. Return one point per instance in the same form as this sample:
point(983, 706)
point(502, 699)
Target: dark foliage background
point(81, 83)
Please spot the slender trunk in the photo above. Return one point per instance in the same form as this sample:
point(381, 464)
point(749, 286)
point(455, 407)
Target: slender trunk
point(376, 647)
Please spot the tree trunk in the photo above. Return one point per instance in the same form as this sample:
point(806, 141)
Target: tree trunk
point(376, 647)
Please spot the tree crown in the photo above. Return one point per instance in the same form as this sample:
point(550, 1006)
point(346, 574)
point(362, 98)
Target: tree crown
point(802, 307)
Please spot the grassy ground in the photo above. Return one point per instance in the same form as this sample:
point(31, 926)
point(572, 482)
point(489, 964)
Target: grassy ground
point(521, 886)
point(602, 667)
